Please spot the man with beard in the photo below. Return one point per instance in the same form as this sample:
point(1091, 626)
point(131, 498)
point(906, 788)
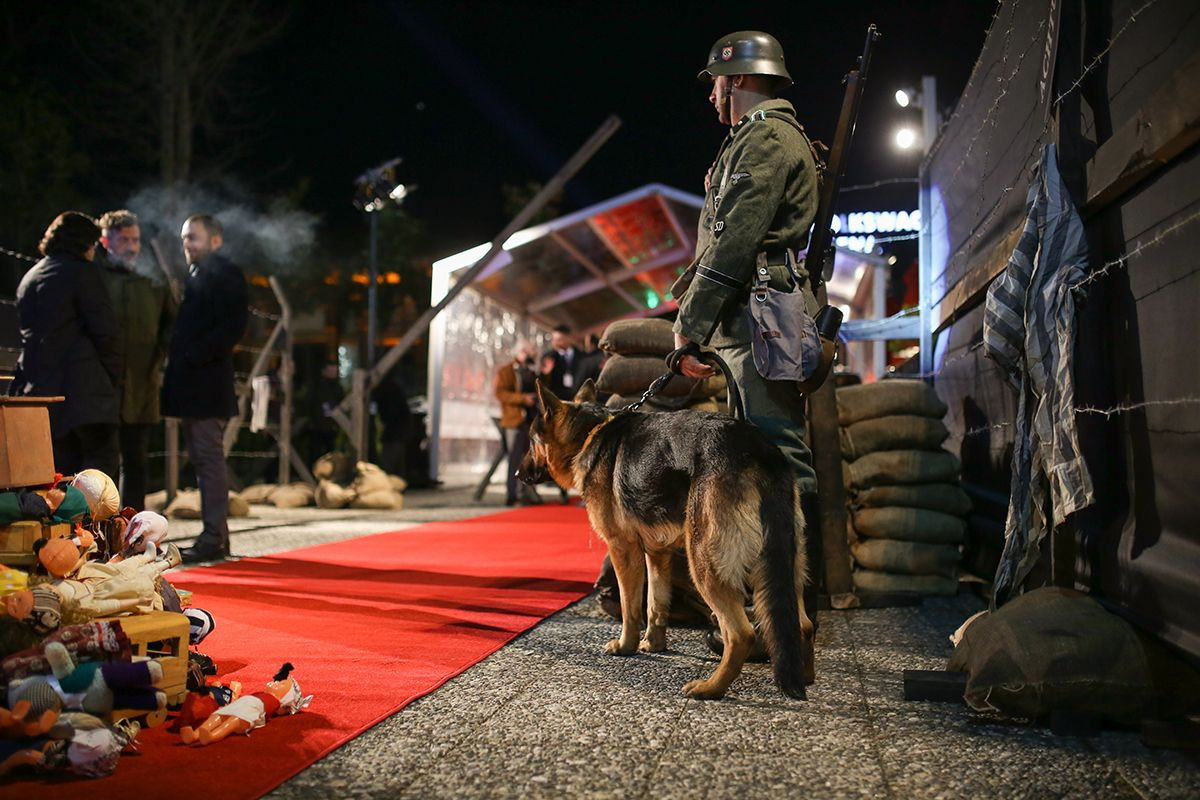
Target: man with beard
point(198, 385)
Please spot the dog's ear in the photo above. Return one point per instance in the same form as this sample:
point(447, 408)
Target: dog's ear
point(547, 399)
point(587, 392)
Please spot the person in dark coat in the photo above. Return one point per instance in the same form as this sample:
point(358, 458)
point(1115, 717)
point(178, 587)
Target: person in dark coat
point(144, 311)
point(560, 364)
point(198, 385)
point(69, 346)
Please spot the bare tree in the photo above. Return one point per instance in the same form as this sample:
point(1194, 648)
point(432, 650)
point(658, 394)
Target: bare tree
point(163, 70)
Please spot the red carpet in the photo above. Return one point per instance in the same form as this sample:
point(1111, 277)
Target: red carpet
point(371, 624)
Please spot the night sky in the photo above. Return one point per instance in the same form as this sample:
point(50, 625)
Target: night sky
point(474, 95)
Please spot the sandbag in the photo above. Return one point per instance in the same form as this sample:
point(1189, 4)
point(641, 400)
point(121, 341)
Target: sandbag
point(398, 483)
point(156, 501)
point(908, 558)
point(381, 499)
point(890, 467)
point(632, 375)
point(909, 525)
point(292, 495)
point(870, 580)
point(948, 498)
point(886, 398)
point(370, 478)
point(258, 492)
point(896, 432)
point(186, 505)
point(330, 495)
point(628, 337)
point(1055, 649)
point(336, 467)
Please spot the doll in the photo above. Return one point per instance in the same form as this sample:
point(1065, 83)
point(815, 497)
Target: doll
point(143, 534)
point(281, 696)
point(97, 687)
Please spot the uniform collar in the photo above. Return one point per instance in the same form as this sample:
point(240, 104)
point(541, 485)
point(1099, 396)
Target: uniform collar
point(776, 104)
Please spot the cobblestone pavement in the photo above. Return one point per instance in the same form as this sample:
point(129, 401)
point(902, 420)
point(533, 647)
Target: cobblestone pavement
point(550, 715)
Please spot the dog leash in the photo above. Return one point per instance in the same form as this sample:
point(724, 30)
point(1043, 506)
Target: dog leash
point(674, 359)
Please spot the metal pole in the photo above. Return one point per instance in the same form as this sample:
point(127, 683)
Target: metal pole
point(925, 237)
point(372, 287)
point(392, 356)
point(879, 346)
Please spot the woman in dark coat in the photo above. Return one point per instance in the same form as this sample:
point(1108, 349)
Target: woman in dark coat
point(69, 345)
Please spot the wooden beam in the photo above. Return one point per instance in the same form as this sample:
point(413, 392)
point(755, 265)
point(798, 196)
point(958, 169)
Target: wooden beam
point(1166, 125)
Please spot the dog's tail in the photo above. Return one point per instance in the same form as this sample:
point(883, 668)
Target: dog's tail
point(776, 609)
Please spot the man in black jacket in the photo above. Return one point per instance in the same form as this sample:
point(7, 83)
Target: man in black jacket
point(198, 385)
point(69, 346)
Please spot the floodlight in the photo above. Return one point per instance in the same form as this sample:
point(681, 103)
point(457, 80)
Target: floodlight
point(903, 98)
point(906, 138)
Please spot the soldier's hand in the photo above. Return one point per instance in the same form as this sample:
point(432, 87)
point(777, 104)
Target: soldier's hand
point(707, 179)
point(691, 366)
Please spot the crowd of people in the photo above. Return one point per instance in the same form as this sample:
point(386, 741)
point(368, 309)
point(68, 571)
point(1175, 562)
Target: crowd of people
point(562, 369)
point(121, 352)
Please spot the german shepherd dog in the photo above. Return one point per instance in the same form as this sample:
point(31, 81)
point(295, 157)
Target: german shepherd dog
point(655, 482)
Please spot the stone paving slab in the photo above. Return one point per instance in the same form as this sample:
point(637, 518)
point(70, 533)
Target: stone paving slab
point(551, 716)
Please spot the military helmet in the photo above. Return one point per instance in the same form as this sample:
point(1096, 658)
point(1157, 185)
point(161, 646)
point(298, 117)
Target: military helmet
point(746, 53)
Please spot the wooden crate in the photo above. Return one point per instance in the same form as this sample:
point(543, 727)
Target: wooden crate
point(162, 635)
point(26, 453)
point(16, 540)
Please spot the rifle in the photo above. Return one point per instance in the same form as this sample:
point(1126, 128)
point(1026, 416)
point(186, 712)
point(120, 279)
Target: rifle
point(818, 260)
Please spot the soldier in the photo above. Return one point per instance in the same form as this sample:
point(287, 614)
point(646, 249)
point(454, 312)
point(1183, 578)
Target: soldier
point(144, 312)
point(761, 197)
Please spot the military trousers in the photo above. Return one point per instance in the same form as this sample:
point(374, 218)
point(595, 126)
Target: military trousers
point(777, 409)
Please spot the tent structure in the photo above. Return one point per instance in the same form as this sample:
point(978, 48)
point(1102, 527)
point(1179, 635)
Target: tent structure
point(613, 260)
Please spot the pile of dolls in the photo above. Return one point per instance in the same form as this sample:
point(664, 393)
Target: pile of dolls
point(75, 695)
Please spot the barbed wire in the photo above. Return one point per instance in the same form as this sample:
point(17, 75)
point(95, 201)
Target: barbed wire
point(885, 182)
point(1107, 413)
point(980, 229)
point(265, 314)
point(902, 238)
point(15, 254)
point(1124, 259)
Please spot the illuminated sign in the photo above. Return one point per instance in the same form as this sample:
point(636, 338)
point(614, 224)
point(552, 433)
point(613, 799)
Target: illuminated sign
point(859, 230)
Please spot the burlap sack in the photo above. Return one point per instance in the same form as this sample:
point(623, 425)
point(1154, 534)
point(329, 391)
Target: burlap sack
point(293, 495)
point(156, 501)
point(869, 580)
point(1054, 649)
point(398, 483)
point(886, 398)
point(330, 495)
point(945, 497)
point(380, 499)
point(909, 525)
point(370, 478)
point(186, 505)
point(628, 337)
point(896, 432)
point(908, 558)
point(336, 467)
point(258, 492)
point(890, 467)
point(632, 375)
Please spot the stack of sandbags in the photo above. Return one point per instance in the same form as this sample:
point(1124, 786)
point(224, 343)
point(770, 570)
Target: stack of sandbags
point(186, 505)
point(907, 510)
point(639, 347)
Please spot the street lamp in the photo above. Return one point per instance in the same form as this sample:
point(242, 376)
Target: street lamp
point(372, 190)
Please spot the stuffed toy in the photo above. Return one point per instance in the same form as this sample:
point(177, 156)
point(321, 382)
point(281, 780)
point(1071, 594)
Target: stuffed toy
point(129, 586)
point(22, 504)
point(12, 580)
point(98, 687)
point(198, 706)
point(103, 500)
point(143, 534)
point(66, 503)
point(281, 696)
point(40, 608)
point(29, 719)
point(82, 745)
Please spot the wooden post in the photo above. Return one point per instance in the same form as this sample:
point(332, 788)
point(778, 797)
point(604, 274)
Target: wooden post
point(171, 433)
point(831, 496)
point(358, 413)
point(287, 375)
